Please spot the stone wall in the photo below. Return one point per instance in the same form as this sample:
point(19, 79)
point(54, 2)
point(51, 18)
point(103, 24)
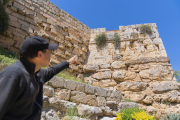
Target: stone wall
point(43, 18)
point(131, 47)
point(60, 94)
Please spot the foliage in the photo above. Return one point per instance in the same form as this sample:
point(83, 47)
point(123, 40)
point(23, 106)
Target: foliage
point(134, 35)
point(116, 40)
point(171, 117)
point(166, 102)
point(142, 116)
point(145, 29)
point(134, 114)
point(71, 112)
point(7, 57)
point(4, 19)
point(101, 39)
point(177, 75)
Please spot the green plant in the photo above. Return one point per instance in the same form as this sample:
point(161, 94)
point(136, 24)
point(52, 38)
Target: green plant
point(71, 112)
point(134, 114)
point(171, 117)
point(7, 57)
point(177, 75)
point(101, 39)
point(134, 35)
point(145, 29)
point(166, 102)
point(116, 40)
point(4, 19)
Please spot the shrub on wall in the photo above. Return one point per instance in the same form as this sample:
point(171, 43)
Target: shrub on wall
point(116, 40)
point(145, 29)
point(101, 39)
point(171, 117)
point(4, 17)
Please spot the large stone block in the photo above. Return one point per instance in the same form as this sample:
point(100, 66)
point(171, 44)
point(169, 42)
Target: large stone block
point(63, 94)
point(57, 82)
point(89, 89)
point(101, 101)
point(163, 86)
point(78, 97)
point(131, 86)
point(91, 100)
point(69, 84)
point(100, 91)
point(80, 87)
point(124, 105)
point(108, 83)
point(48, 91)
point(90, 68)
point(102, 75)
point(119, 75)
point(118, 65)
point(60, 104)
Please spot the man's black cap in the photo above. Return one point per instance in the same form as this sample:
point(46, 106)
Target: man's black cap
point(37, 42)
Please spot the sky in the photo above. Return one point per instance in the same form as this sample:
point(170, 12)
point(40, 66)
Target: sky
point(111, 14)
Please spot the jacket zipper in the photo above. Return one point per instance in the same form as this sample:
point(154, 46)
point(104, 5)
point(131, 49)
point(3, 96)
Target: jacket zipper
point(37, 92)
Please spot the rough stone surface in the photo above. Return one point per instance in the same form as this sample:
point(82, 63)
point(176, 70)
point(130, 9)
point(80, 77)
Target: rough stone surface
point(48, 91)
point(132, 86)
point(57, 82)
point(125, 105)
point(78, 97)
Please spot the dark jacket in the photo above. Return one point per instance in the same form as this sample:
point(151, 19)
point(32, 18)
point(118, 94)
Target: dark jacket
point(21, 91)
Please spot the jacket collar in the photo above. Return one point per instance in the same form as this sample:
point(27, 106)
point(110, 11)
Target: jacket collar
point(30, 67)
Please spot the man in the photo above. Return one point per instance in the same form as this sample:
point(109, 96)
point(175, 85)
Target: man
point(21, 84)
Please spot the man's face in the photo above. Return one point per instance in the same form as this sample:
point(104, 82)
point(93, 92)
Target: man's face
point(46, 58)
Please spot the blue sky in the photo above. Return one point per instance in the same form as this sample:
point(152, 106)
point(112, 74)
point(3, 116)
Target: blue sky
point(113, 13)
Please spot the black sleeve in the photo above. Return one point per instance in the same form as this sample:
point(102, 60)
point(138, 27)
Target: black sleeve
point(10, 89)
point(51, 71)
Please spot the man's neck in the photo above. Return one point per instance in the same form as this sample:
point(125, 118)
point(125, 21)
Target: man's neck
point(37, 67)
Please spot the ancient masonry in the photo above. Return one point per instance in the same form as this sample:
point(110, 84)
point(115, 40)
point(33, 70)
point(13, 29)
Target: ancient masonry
point(138, 70)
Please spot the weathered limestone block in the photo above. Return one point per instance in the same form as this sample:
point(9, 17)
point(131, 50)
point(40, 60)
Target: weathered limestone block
point(63, 94)
point(86, 110)
point(89, 89)
point(144, 74)
point(106, 110)
point(134, 68)
point(57, 82)
point(69, 84)
point(60, 104)
point(148, 60)
point(137, 97)
point(90, 68)
point(143, 66)
point(80, 87)
point(102, 75)
point(90, 80)
point(101, 101)
point(148, 100)
point(48, 91)
point(124, 105)
point(78, 97)
point(91, 100)
point(107, 83)
point(130, 75)
point(100, 91)
point(118, 65)
point(131, 86)
point(105, 66)
point(163, 86)
point(173, 96)
point(119, 75)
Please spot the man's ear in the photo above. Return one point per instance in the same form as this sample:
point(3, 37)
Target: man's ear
point(39, 54)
